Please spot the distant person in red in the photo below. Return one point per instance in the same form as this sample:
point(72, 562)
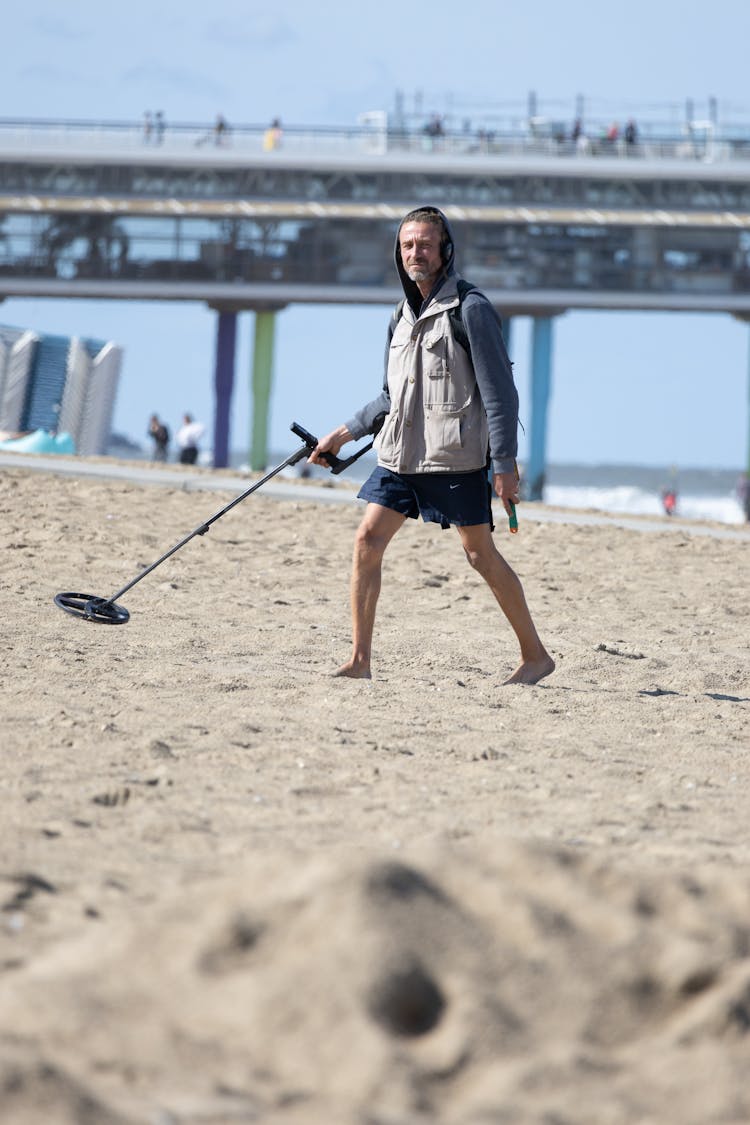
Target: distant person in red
point(669, 500)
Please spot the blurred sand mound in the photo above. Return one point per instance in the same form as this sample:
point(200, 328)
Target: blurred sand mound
point(524, 983)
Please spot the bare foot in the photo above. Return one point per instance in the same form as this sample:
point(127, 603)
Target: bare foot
point(532, 671)
point(354, 670)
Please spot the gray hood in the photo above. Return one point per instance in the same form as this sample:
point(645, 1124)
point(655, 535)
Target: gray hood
point(411, 289)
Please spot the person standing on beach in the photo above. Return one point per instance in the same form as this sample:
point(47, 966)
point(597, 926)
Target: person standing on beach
point(441, 408)
point(159, 434)
point(188, 437)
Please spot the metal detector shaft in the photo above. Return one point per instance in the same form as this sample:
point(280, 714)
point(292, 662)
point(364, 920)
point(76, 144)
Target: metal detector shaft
point(106, 611)
point(203, 528)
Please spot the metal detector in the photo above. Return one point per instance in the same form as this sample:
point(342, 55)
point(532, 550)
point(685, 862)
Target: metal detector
point(106, 611)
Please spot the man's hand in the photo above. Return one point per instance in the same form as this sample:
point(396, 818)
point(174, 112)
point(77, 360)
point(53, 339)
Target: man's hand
point(506, 489)
point(331, 443)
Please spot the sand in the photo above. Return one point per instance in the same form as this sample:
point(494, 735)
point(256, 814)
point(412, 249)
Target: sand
point(237, 889)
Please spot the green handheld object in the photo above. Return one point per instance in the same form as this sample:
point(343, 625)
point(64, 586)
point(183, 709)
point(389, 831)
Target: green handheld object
point(512, 519)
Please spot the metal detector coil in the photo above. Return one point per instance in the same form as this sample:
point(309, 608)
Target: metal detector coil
point(106, 611)
point(93, 609)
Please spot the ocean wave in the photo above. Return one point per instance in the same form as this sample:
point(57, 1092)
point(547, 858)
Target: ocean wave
point(625, 499)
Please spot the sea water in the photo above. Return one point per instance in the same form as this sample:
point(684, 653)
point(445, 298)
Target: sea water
point(702, 494)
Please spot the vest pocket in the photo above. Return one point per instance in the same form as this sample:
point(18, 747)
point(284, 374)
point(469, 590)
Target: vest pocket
point(442, 431)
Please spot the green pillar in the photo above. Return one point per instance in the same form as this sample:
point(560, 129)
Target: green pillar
point(265, 325)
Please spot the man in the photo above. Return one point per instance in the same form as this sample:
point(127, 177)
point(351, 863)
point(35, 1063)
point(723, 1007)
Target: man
point(443, 408)
point(188, 436)
point(159, 434)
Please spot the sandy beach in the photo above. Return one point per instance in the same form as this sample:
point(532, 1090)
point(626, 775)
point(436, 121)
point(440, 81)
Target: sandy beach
point(238, 889)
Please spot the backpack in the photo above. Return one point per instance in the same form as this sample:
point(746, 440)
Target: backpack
point(454, 315)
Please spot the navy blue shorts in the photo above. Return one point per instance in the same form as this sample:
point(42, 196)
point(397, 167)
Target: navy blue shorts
point(460, 499)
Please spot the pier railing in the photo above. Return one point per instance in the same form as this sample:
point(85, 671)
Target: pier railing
point(372, 136)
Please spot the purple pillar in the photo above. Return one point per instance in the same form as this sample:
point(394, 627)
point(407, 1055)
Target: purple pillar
point(226, 338)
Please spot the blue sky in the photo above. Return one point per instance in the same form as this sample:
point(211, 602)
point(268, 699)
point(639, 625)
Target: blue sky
point(662, 389)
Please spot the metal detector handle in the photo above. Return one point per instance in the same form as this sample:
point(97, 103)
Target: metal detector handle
point(339, 468)
point(330, 458)
point(336, 464)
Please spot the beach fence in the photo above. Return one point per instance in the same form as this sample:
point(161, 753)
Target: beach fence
point(58, 384)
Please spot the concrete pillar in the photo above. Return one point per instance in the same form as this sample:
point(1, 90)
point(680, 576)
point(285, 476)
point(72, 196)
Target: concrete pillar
point(541, 384)
point(265, 326)
point(226, 340)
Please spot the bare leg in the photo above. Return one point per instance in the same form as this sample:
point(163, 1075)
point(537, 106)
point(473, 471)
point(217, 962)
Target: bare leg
point(484, 556)
point(378, 527)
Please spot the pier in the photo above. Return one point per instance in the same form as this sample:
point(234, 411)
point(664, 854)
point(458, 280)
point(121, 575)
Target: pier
point(542, 223)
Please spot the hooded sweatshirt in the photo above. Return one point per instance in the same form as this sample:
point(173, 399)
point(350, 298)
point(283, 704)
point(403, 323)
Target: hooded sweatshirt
point(444, 408)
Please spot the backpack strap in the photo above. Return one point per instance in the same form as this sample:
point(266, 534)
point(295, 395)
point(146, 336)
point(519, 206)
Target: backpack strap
point(457, 324)
point(395, 318)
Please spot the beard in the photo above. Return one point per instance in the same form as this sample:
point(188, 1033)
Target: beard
point(417, 274)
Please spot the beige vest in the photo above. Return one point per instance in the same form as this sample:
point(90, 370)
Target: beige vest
point(437, 422)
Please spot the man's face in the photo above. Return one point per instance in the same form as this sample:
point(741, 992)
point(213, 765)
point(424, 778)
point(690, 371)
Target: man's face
point(420, 251)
